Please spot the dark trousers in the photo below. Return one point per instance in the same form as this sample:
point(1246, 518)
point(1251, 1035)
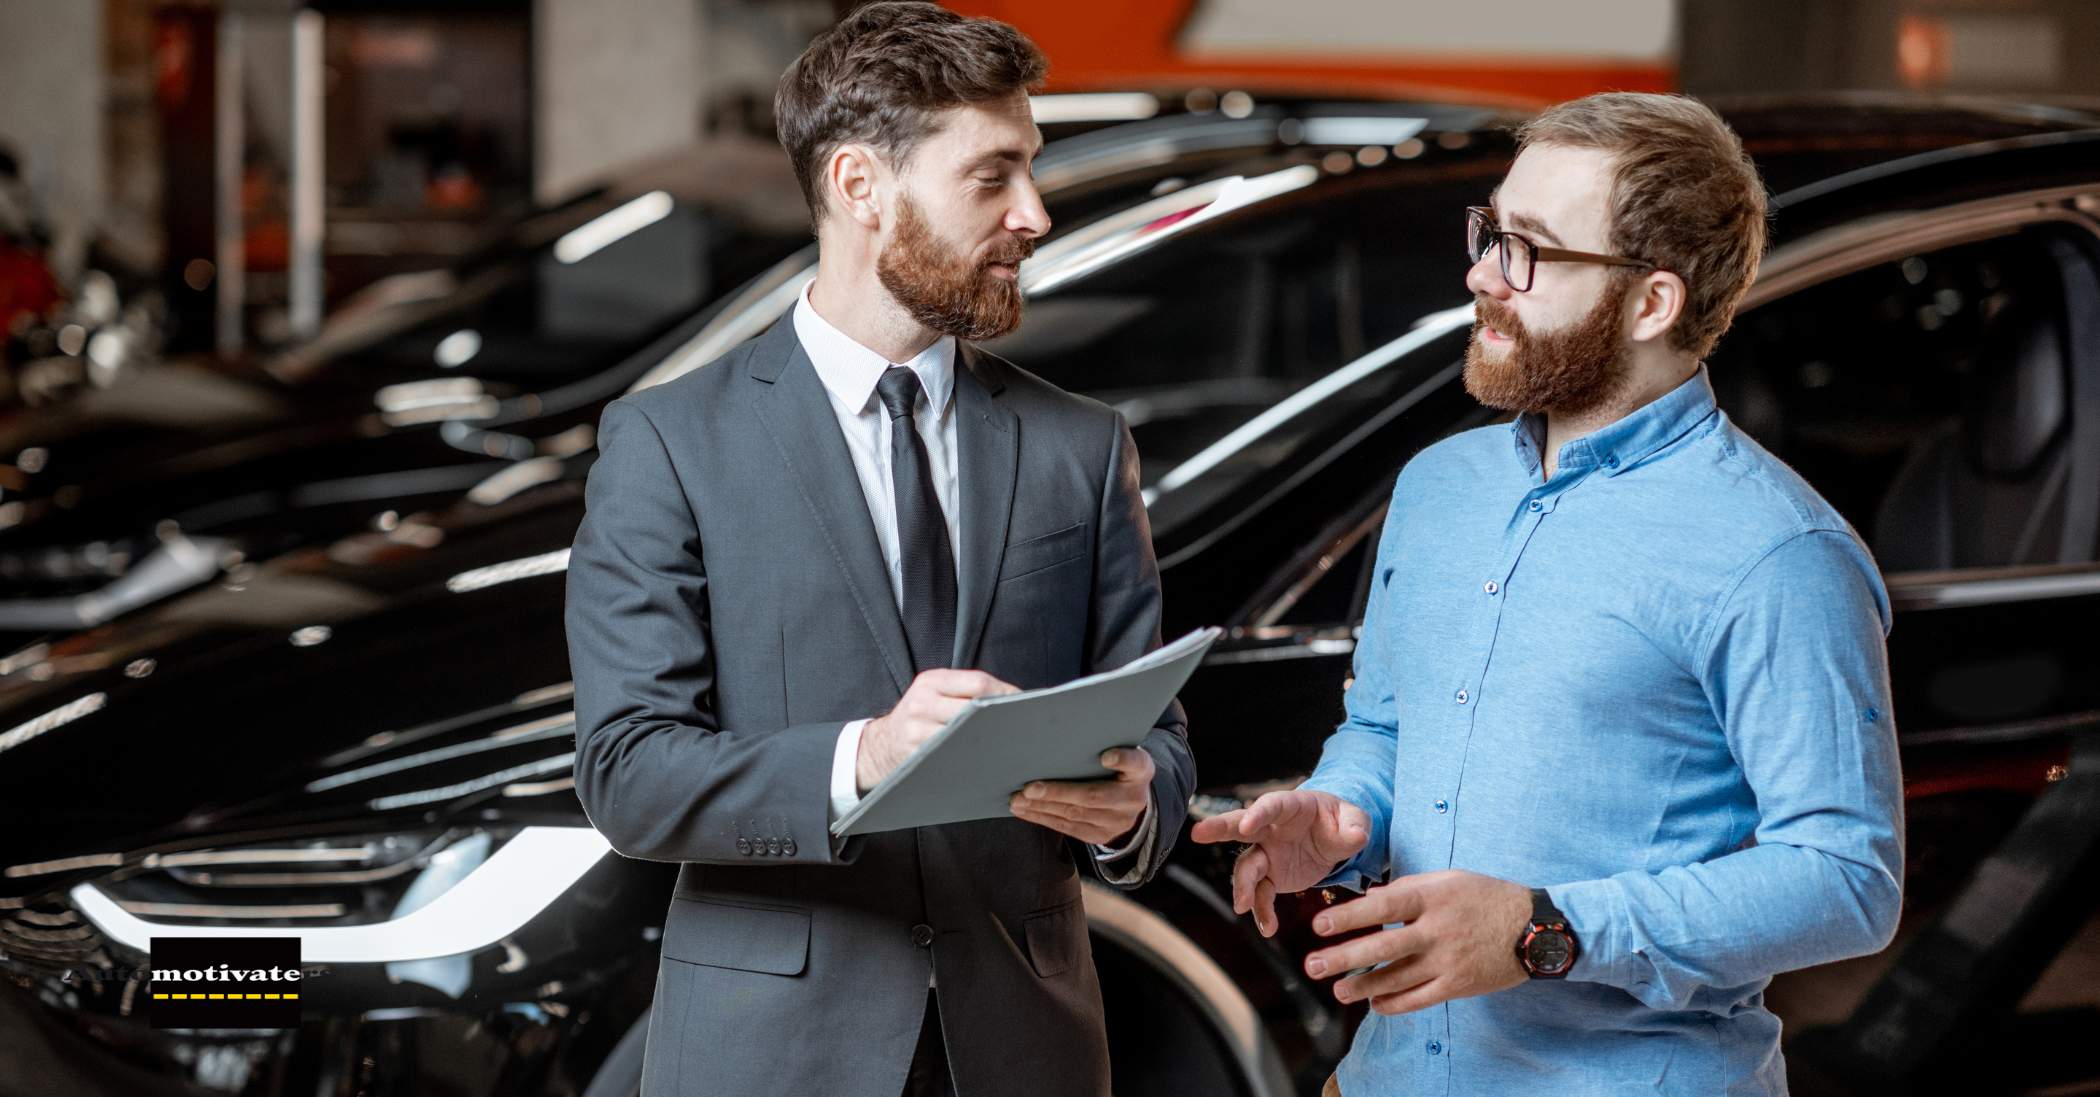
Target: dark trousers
point(928, 1076)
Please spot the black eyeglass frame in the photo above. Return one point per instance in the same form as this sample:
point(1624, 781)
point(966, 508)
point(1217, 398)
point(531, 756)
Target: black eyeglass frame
point(1480, 221)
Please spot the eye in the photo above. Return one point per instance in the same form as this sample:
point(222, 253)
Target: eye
point(990, 180)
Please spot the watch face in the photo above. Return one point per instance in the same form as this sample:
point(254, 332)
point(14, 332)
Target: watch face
point(1550, 952)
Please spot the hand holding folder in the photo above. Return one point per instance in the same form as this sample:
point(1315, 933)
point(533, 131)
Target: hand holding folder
point(997, 744)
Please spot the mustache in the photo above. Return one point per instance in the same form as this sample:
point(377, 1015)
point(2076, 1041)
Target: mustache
point(1495, 314)
point(1013, 254)
point(1492, 313)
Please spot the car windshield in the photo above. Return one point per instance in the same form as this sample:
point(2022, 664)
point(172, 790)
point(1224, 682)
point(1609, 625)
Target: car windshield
point(578, 288)
point(583, 303)
point(1237, 316)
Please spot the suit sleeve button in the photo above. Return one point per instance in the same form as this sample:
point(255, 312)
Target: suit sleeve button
point(788, 847)
point(743, 846)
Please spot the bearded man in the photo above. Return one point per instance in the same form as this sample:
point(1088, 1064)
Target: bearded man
point(1619, 727)
point(799, 561)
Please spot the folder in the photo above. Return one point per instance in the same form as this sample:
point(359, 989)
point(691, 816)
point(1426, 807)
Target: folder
point(974, 765)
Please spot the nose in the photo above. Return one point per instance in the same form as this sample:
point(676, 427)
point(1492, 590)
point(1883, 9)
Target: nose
point(1027, 217)
point(1485, 276)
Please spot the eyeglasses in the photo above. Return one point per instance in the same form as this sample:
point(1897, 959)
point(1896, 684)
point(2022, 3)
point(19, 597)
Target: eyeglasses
point(1521, 257)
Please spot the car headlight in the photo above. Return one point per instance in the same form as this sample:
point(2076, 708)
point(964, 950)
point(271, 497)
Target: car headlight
point(381, 899)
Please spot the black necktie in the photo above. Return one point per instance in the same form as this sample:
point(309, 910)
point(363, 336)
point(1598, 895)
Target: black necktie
point(922, 531)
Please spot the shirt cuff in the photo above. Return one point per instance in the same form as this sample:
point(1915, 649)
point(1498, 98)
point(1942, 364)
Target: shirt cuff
point(845, 762)
point(1610, 951)
point(1139, 835)
point(1118, 867)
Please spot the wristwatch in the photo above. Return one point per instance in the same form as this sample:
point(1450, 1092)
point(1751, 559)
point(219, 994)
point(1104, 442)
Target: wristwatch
point(1547, 947)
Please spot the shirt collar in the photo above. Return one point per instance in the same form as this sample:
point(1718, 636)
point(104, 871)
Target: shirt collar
point(850, 371)
point(1629, 441)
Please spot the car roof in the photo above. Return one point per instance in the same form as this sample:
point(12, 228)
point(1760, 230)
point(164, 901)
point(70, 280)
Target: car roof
point(1797, 139)
point(1801, 141)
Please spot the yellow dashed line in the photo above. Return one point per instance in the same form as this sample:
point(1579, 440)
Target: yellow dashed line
point(227, 997)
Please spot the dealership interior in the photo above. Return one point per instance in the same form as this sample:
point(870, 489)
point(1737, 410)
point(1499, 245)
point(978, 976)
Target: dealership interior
point(311, 312)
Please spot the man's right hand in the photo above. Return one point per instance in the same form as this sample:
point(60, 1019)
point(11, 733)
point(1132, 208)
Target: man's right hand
point(934, 698)
point(1294, 840)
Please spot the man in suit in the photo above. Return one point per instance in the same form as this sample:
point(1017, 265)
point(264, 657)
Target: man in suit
point(800, 560)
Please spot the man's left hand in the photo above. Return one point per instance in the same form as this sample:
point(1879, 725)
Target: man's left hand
point(1460, 940)
point(1101, 813)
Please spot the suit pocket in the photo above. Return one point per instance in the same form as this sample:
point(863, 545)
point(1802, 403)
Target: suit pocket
point(1056, 938)
point(771, 940)
point(1037, 553)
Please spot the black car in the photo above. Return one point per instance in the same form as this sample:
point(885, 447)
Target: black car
point(493, 374)
point(367, 742)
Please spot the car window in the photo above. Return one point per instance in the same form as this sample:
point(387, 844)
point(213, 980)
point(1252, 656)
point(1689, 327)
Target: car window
point(584, 302)
point(1929, 399)
point(1194, 338)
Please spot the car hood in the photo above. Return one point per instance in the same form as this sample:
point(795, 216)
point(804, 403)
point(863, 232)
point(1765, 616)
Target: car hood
point(405, 673)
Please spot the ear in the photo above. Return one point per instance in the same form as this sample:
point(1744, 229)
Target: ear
point(853, 182)
point(1656, 302)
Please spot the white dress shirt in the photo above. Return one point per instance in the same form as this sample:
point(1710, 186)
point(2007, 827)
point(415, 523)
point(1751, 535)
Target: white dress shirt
point(850, 372)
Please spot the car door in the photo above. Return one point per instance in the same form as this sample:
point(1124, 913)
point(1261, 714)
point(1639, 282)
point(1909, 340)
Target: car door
point(1934, 375)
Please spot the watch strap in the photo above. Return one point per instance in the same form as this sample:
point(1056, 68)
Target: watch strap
point(1542, 908)
point(1546, 918)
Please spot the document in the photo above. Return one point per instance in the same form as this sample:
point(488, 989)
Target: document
point(974, 765)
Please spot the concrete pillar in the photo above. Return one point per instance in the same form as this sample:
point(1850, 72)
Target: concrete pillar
point(613, 84)
point(51, 112)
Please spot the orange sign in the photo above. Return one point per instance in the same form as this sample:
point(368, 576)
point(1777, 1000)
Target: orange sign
point(1137, 44)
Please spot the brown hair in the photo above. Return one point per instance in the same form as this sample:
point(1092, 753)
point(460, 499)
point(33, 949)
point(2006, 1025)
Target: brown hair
point(883, 74)
point(1684, 196)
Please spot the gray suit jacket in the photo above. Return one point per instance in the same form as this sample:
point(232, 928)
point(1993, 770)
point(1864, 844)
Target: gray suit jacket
point(729, 612)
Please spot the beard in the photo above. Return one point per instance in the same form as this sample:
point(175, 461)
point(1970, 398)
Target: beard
point(947, 291)
point(1574, 370)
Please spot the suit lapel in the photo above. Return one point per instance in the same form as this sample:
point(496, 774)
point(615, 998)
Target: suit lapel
point(797, 413)
point(988, 442)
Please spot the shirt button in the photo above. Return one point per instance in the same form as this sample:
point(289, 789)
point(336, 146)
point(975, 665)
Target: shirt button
point(1490, 586)
point(922, 935)
point(1443, 806)
point(1872, 715)
point(1435, 1048)
point(1463, 697)
point(1611, 462)
point(1537, 506)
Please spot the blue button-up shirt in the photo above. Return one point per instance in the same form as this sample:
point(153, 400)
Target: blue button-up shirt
point(1655, 684)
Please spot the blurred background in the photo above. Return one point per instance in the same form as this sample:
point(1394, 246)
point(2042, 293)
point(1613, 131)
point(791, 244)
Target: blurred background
point(308, 312)
point(247, 166)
